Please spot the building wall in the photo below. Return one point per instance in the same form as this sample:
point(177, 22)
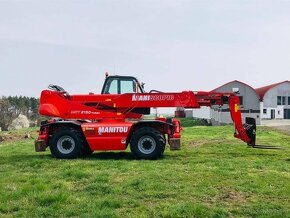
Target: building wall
point(203, 113)
point(270, 98)
point(188, 113)
point(219, 118)
point(250, 106)
point(269, 107)
point(250, 98)
point(278, 112)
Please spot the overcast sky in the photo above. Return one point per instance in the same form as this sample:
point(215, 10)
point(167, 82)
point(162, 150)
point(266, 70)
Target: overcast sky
point(169, 45)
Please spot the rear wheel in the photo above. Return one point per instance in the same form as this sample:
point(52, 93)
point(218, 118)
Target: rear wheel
point(66, 143)
point(147, 143)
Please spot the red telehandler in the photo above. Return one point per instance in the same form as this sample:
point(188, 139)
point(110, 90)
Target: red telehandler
point(113, 120)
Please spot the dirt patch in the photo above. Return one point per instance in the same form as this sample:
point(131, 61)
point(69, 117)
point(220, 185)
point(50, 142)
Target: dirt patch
point(231, 195)
point(199, 143)
point(16, 136)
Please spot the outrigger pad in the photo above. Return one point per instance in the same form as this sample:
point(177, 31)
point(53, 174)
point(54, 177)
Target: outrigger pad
point(40, 145)
point(174, 144)
point(250, 127)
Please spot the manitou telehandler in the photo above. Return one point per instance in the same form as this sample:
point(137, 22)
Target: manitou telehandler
point(113, 120)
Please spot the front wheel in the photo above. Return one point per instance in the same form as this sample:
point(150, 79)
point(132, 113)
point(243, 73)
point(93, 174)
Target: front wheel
point(147, 143)
point(66, 143)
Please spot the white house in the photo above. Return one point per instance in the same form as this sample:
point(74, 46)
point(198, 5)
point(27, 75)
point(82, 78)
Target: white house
point(275, 100)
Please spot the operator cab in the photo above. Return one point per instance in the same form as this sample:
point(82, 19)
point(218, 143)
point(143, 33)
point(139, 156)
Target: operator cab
point(121, 85)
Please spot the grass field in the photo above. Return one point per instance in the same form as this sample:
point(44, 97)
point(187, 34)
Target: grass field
point(214, 175)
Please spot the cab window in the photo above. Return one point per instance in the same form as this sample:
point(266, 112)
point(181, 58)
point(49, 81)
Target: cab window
point(111, 87)
point(121, 86)
point(127, 86)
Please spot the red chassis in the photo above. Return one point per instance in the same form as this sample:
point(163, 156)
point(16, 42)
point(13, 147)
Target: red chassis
point(112, 120)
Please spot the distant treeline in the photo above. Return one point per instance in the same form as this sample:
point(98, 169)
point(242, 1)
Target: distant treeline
point(12, 106)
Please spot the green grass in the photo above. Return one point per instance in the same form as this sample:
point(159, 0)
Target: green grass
point(190, 122)
point(214, 175)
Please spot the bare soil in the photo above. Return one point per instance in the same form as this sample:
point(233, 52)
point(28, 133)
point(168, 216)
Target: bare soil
point(198, 143)
point(14, 136)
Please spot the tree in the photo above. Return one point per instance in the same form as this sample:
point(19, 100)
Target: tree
point(6, 113)
point(13, 106)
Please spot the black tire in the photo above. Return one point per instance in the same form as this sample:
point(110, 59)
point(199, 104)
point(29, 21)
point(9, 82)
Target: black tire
point(164, 145)
point(147, 143)
point(67, 143)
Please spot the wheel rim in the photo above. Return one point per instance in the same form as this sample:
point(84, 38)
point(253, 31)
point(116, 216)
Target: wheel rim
point(66, 144)
point(146, 144)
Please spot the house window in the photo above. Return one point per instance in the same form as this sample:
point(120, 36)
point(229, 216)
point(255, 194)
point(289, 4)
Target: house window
point(288, 100)
point(279, 100)
point(241, 100)
point(283, 100)
point(264, 111)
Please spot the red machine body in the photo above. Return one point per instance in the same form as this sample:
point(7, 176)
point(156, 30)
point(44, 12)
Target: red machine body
point(112, 120)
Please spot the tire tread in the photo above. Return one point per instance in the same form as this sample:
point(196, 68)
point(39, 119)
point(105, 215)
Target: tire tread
point(160, 143)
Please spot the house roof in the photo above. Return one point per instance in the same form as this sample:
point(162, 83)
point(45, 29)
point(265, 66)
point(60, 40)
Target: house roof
point(263, 90)
point(214, 90)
